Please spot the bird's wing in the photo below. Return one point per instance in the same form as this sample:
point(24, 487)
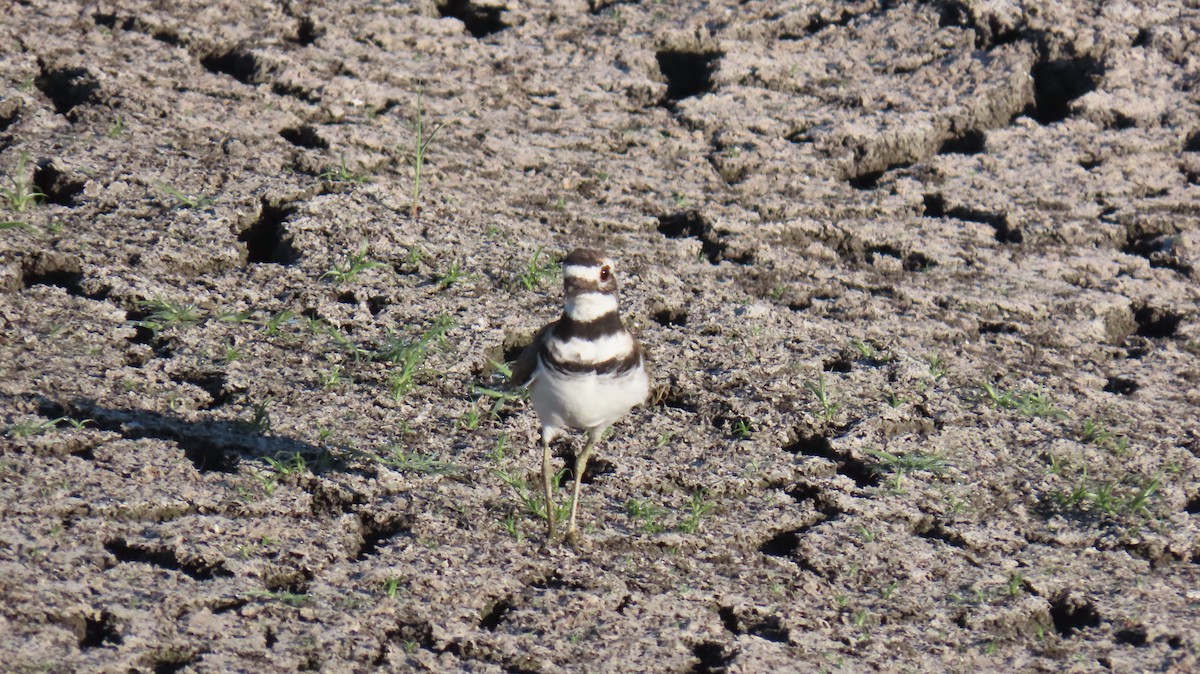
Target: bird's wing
point(523, 369)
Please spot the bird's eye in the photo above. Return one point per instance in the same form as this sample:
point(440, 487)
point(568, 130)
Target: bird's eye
point(605, 273)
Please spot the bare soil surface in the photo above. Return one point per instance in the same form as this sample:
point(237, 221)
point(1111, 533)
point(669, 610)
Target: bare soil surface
point(918, 281)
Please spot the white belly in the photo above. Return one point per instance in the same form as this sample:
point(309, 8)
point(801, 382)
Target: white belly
point(588, 400)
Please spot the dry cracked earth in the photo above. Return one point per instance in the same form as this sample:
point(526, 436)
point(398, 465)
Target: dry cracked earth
point(918, 281)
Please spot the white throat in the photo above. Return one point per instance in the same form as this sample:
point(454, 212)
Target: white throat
point(586, 307)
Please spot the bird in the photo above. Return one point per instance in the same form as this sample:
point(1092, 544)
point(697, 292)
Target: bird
point(584, 371)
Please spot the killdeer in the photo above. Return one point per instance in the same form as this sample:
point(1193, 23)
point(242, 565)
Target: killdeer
point(585, 370)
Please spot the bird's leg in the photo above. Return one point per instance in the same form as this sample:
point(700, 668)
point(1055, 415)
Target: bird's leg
point(580, 466)
point(547, 480)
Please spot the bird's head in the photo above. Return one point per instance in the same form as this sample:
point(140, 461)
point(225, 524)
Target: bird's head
point(590, 284)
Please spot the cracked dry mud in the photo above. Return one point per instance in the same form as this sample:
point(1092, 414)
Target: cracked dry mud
point(918, 281)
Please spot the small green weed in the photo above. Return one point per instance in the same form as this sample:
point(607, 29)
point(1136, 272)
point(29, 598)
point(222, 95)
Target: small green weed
point(421, 464)
point(647, 515)
point(497, 453)
point(1034, 404)
point(1109, 497)
point(742, 429)
point(469, 421)
point(409, 356)
point(293, 465)
point(1094, 432)
point(186, 200)
point(116, 128)
point(31, 427)
point(499, 398)
point(1016, 583)
point(420, 147)
point(333, 378)
point(22, 193)
point(912, 462)
point(829, 409)
point(1055, 464)
point(1120, 445)
point(345, 344)
point(865, 350)
point(352, 266)
point(998, 397)
point(289, 598)
point(260, 415)
point(1038, 404)
point(899, 466)
point(415, 257)
point(231, 354)
point(274, 325)
point(698, 508)
point(860, 618)
point(937, 366)
point(342, 174)
point(281, 468)
point(165, 314)
point(502, 368)
point(234, 317)
point(1138, 502)
point(453, 274)
point(538, 270)
point(512, 526)
point(533, 503)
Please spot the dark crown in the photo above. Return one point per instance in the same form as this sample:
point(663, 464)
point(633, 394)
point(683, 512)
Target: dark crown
point(585, 257)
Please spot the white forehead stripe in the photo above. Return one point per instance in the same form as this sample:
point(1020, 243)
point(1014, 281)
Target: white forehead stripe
point(580, 271)
point(586, 307)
